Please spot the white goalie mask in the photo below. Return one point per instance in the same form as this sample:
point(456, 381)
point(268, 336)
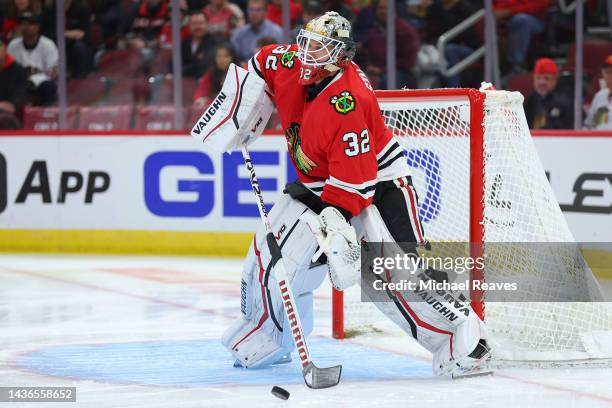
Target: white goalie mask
point(324, 45)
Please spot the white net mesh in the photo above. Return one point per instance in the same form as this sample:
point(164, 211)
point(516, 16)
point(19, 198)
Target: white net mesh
point(519, 206)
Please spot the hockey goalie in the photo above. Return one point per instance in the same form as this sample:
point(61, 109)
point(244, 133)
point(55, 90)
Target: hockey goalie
point(353, 184)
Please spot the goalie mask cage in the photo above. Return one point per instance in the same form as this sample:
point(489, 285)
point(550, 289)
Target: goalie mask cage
point(479, 179)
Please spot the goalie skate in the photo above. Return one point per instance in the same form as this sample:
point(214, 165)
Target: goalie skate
point(473, 365)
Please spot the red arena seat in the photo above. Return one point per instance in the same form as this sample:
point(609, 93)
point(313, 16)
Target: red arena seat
point(41, 118)
point(128, 91)
point(164, 94)
point(193, 115)
point(522, 83)
point(106, 118)
point(155, 118)
point(594, 53)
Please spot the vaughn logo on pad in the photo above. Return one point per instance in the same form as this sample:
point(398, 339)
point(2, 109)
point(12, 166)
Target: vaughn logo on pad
point(207, 116)
point(237, 115)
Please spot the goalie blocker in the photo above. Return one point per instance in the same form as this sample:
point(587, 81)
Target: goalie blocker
point(237, 115)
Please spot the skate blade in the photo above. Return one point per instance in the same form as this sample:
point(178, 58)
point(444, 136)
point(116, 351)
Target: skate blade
point(470, 374)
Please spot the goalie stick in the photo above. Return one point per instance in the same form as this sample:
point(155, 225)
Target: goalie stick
point(314, 377)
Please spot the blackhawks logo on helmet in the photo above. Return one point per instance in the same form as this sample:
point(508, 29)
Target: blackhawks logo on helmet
point(303, 163)
point(343, 103)
point(287, 59)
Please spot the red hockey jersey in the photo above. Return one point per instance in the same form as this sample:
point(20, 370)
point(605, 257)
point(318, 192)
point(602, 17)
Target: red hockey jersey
point(337, 138)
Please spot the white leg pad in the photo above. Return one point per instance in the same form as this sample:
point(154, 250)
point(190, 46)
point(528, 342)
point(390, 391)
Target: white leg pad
point(257, 338)
point(252, 347)
point(436, 323)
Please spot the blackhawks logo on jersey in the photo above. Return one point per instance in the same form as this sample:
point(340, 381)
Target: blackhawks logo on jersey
point(287, 59)
point(303, 163)
point(343, 103)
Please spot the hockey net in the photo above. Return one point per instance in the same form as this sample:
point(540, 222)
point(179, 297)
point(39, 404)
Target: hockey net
point(479, 179)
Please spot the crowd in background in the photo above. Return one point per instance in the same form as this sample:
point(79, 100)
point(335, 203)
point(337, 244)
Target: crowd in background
point(112, 41)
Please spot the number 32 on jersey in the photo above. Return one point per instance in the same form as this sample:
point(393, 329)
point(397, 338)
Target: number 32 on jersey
point(356, 144)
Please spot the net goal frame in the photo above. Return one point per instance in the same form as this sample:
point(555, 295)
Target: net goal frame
point(480, 113)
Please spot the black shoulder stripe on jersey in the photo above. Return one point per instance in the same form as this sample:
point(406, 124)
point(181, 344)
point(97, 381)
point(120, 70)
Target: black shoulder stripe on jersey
point(235, 115)
point(366, 190)
point(361, 191)
point(391, 149)
point(254, 64)
point(390, 161)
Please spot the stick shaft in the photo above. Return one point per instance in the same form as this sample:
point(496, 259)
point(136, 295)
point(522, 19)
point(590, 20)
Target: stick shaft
point(263, 213)
point(291, 310)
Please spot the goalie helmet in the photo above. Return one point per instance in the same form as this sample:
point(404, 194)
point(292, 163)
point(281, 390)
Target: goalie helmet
point(325, 45)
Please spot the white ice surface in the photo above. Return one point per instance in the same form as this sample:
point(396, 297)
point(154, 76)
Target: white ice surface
point(91, 315)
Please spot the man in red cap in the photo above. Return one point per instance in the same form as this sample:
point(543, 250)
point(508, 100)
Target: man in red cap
point(599, 112)
point(548, 107)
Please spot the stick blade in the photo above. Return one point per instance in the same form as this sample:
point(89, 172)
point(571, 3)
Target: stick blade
point(317, 378)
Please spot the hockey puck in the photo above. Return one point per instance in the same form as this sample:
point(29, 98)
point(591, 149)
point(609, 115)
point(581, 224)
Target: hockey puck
point(280, 393)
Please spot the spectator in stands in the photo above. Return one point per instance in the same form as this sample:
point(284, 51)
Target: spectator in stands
point(262, 42)
point(311, 9)
point(198, 49)
point(108, 15)
point(548, 107)
point(144, 24)
point(598, 116)
point(193, 5)
point(38, 55)
point(366, 19)
point(245, 38)
point(443, 16)
point(79, 54)
point(165, 35)
point(275, 13)
point(374, 55)
point(223, 17)
point(339, 6)
point(13, 80)
point(9, 26)
point(212, 81)
point(416, 14)
point(523, 18)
